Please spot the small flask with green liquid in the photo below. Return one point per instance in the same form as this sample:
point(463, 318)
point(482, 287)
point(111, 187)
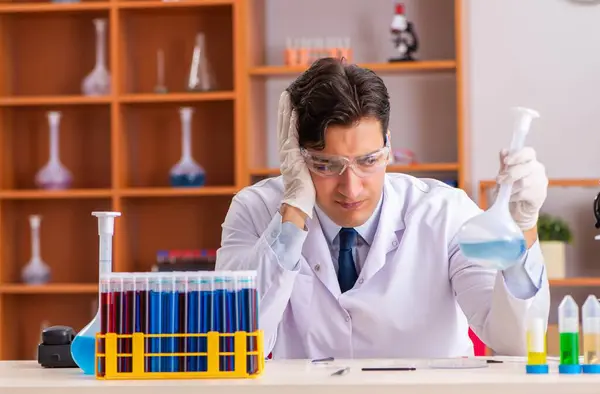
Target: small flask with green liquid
point(568, 328)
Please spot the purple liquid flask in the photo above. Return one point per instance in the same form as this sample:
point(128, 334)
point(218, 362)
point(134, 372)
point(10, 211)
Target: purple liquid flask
point(54, 175)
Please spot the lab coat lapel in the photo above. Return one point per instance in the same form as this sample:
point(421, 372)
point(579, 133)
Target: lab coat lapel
point(386, 239)
point(318, 256)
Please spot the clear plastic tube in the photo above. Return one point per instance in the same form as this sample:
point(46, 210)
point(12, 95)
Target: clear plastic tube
point(591, 334)
point(568, 328)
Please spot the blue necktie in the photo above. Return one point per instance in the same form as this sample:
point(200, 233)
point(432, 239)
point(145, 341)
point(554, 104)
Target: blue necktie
point(347, 271)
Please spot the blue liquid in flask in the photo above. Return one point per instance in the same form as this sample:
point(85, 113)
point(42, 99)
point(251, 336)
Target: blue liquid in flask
point(503, 253)
point(188, 180)
point(83, 351)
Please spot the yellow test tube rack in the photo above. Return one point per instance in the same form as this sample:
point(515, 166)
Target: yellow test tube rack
point(110, 358)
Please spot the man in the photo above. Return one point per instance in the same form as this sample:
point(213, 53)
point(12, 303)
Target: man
point(356, 263)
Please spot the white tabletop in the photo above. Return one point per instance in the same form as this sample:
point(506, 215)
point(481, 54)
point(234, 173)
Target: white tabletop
point(302, 377)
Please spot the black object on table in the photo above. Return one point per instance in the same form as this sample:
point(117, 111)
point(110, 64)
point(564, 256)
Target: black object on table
point(55, 349)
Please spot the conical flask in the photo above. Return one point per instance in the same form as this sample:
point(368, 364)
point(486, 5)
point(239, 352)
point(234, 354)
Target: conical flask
point(201, 78)
point(54, 175)
point(186, 172)
point(83, 347)
point(36, 272)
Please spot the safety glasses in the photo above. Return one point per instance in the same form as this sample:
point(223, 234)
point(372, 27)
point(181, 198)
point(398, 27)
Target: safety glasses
point(331, 165)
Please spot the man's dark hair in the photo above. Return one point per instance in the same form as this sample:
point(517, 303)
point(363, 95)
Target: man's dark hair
point(332, 92)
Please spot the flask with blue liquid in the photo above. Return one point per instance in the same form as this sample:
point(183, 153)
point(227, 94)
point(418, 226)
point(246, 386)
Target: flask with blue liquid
point(492, 238)
point(187, 173)
point(83, 347)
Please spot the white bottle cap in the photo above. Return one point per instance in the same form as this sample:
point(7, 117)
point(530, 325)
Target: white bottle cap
point(106, 222)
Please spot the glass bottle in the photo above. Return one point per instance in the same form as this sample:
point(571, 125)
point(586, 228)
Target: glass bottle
point(98, 81)
point(54, 175)
point(36, 272)
point(200, 78)
point(187, 173)
point(160, 86)
point(83, 347)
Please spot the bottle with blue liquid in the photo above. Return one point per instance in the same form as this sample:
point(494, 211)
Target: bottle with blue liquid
point(492, 239)
point(83, 347)
point(187, 173)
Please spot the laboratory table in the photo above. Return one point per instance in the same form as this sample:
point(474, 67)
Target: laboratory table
point(300, 376)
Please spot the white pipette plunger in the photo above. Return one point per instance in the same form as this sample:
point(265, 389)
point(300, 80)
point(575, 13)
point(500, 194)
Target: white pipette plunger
point(106, 229)
point(492, 238)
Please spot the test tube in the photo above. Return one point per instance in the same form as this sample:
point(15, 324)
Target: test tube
point(155, 317)
point(182, 292)
point(141, 302)
point(246, 297)
point(568, 328)
point(105, 298)
point(193, 320)
point(206, 313)
point(536, 346)
point(127, 316)
point(591, 334)
point(170, 320)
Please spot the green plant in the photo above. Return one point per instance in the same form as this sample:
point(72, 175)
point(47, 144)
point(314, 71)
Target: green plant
point(552, 228)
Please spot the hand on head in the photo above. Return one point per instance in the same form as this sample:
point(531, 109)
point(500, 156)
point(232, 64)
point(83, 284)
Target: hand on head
point(299, 189)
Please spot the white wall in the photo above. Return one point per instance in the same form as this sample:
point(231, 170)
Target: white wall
point(423, 106)
point(543, 54)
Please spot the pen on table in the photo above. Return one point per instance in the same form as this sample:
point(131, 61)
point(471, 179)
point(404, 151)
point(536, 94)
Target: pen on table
point(341, 372)
point(322, 360)
point(389, 369)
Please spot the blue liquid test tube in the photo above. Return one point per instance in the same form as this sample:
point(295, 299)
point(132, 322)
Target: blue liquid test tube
point(206, 314)
point(155, 317)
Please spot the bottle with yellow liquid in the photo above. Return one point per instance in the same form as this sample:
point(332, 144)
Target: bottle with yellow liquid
point(591, 335)
point(536, 346)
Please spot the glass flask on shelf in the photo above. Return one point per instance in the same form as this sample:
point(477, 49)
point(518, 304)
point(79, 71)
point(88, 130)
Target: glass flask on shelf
point(187, 173)
point(201, 78)
point(83, 347)
point(98, 81)
point(36, 271)
point(54, 175)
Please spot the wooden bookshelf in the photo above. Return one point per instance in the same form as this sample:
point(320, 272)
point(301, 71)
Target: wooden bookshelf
point(259, 73)
point(119, 147)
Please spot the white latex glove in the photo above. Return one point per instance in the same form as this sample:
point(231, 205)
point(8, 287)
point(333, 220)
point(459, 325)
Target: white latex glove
point(299, 189)
point(530, 186)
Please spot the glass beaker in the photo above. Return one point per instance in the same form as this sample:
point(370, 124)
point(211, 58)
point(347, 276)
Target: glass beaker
point(36, 272)
point(492, 238)
point(201, 78)
point(54, 175)
point(83, 347)
point(187, 173)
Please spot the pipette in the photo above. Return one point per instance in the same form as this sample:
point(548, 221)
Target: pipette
point(536, 345)
point(568, 328)
point(591, 334)
point(492, 238)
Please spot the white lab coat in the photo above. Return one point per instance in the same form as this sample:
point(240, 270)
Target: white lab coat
point(416, 295)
